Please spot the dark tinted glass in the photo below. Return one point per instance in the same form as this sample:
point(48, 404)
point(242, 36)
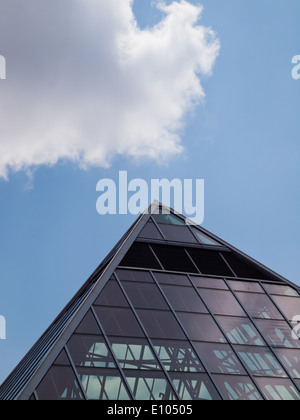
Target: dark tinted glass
point(145, 295)
point(277, 333)
point(135, 275)
point(147, 385)
point(276, 289)
point(59, 384)
point(259, 306)
point(243, 268)
point(168, 219)
point(210, 262)
point(178, 234)
point(119, 322)
point(88, 325)
point(204, 239)
point(194, 387)
point(150, 231)
point(221, 302)
point(201, 327)
point(290, 306)
point(112, 295)
point(209, 283)
point(174, 258)
point(260, 361)
point(184, 299)
point(246, 286)
point(219, 358)
point(140, 255)
point(160, 324)
point(90, 351)
point(240, 331)
point(176, 279)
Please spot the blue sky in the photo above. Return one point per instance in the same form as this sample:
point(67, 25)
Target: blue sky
point(243, 139)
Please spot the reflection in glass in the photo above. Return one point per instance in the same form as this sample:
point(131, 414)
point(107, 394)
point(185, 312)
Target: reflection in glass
point(259, 306)
point(194, 387)
point(240, 331)
point(134, 353)
point(290, 360)
point(260, 361)
point(177, 356)
point(219, 358)
point(277, 333)
point(237, 388)
point(90, 351)
point(149, 385)
point(290, 306)
point(278, 389)
point(118, 321)
point(101, 384)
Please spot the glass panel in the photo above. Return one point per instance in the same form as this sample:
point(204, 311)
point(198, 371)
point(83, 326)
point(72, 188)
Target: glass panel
point(88, 325)
point(168, 219)
point(259, 306)
point(160, 324)
point(290, 306)
point(62, 359)
point(177, 356)
point(176, 279)
point(59, 384)
point(290, 360)
point(178, 234)
point(276, 289)
point(277, 333)
point(134, 353)
point(260, 361)
point(243, 268)
point(246, 286)
point(237, 388)
point(221, 302)
point(210, 262)
point(240, 331)
point(174, 258)
point(150, 231)
point(209, 283)
point(112, 295)
point(89, 351)
point(194, 387)
point(184, 299)
point(140, 255)
point(119, 321)
point(101, 384)
point(201, 327)
point(278, 389)
point(145, 295)
point(149, 385)
point(204, 239)
point(135, 275)
point(219, 358)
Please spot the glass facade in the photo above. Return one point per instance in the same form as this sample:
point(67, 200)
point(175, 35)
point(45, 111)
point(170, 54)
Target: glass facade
point(176, 321)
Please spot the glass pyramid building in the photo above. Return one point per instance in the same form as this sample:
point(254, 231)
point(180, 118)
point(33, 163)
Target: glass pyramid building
point(172, 313)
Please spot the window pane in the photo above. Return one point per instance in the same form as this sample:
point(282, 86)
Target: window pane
point(177, 279)
point(259, 306)
point(184, 299)
point(59, 384)
point(168, 219)
point(140, 255)
point(134, 353)
point(290, 306)
point(246, 286)
point(119, 322)
point(90, 351)
point(237, 388)
point(177, 356)
point(112, 295)
point(209, 283)
point(291, 361)
point(260, 361)
point(135, 275)
point(201, 327)
point(88, 325)
point(160, 324)
point(145, 295)
point(221, 302)
point(277, 333)
point(278, 389)
point(276, 289)
point(204, 239)
point(240, 331)
point(194, 387)
point(150, 231)
point(178, 234)
point(210, 262)
point(174, 258)
point(243, 268)
point(101, 384)
point(149, 385)
point(219, 358)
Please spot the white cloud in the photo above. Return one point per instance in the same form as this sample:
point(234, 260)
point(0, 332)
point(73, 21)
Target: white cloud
point(85, 83)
